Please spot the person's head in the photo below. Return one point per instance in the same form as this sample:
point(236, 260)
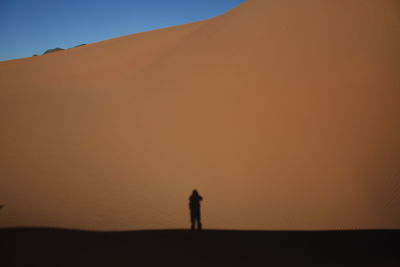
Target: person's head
point(195, 193)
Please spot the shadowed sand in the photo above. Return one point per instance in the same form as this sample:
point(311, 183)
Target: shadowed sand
point(55, 247)
point(284, 114)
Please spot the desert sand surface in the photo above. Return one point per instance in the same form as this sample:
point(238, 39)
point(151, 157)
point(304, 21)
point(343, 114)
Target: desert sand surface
point(284, 114)
point(57, 247)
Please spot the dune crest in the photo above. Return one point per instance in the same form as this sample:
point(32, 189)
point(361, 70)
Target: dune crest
point(283, 113)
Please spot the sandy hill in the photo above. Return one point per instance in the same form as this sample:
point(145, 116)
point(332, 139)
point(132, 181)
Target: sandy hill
point(284, 114)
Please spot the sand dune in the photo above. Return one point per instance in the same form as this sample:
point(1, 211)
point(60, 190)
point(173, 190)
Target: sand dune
point(283, 114)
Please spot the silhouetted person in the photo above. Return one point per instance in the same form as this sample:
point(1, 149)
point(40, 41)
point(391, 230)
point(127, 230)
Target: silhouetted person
point(194, 205)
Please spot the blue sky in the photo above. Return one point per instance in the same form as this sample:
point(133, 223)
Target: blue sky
point(30, 27)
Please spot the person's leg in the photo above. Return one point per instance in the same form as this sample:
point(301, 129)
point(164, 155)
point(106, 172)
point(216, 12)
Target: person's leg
point(192, 219)
point(199, 226)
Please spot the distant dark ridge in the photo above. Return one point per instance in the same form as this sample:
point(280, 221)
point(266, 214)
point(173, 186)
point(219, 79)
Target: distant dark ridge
point(57, 49)
point(53, 50)
point(57, 247)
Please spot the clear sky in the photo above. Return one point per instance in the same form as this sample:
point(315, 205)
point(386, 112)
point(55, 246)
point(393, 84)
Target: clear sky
point(30, 27)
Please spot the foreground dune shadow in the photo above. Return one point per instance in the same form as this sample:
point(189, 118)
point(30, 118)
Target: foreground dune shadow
point(56, 247)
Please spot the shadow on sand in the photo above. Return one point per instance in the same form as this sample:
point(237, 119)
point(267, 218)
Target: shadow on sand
point(56, 247)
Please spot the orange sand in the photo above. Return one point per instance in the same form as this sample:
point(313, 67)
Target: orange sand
point(284, 114)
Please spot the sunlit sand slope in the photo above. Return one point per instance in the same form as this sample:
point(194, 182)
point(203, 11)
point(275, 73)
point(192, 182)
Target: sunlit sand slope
point(284, 114)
